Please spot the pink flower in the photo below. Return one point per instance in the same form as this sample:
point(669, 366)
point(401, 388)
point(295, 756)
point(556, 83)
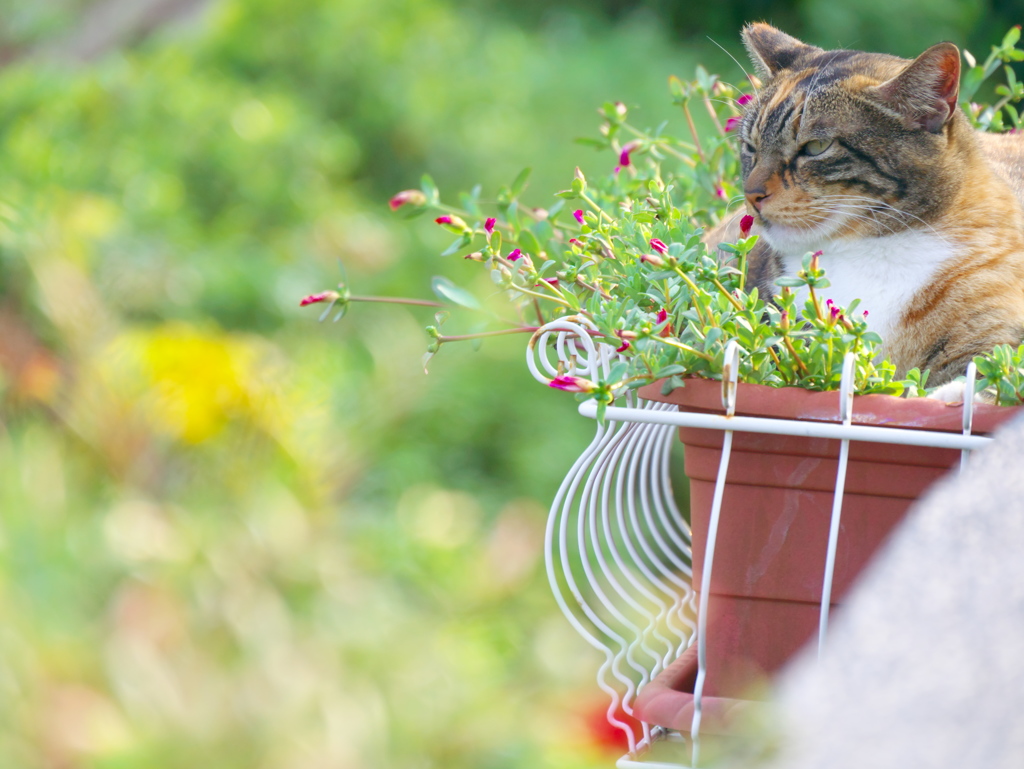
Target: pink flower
point(659, 246)
point(578, 213)
point(732, 123)
point(515, 255)
point(625, 337)
point(720, 192)
point(413, 197)
point(745, 224)
point(573, 384)
point(745, 99)
point(323, 296)
point(573, 242)
point(549, 281)
point(662, 317)
point(865, 313)
point(627, 149)
point(489, 225)
point(443, 220)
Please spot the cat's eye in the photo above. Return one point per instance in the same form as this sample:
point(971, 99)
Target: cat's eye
point(815, 147)
point(748, 147)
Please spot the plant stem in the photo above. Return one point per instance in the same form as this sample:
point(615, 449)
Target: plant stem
point(695, 291)
point(683, 347)
point(600, 211)
point(729, 296)
point(714, 115)
point(693, 132)
point(482, 334)
point(792, 351)
point(395, 300)
point(644, 135)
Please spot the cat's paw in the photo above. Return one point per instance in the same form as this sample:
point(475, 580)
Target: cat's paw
point(951, 393)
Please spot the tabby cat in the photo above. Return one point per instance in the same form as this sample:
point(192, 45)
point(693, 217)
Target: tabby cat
point(867, 158)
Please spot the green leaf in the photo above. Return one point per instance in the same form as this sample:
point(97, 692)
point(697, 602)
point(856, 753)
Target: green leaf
point(792, 282)
point(675, 368)
point(528, 241)
point(1011, 38)
point(430, 190)
point(447, 291)
point(459, 244)
point(617, 372)
point(520, 182)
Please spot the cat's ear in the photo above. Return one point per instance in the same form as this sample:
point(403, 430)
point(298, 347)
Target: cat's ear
point(925, 93)
point(772, 50)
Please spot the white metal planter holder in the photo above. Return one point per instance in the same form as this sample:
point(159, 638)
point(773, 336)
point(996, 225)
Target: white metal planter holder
point(618, 551)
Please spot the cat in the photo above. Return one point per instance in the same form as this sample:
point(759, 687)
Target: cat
point(868, 158)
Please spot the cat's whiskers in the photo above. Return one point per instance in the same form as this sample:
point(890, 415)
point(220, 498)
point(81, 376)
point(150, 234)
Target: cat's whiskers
point(881, 207)
point(843, 210)
point(742, 68)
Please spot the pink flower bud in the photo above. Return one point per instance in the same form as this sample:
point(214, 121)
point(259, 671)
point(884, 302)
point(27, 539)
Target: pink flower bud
point(720, 192)
point(323, 296)
point(578, 213)
point(651, 259)
point(489, 225)
point(745, 99)
point(413, 197)
point(628, 149)
point(662, 317)
point(452, 223)
point(745, 224)
point(732, 124)
point(659, 246)
point(515, 255)
point(573, 384)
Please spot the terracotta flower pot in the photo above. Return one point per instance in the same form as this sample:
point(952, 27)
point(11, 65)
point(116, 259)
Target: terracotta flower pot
point(772, 540)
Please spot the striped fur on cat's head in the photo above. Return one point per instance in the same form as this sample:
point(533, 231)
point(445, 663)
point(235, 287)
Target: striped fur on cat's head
point(846, 144)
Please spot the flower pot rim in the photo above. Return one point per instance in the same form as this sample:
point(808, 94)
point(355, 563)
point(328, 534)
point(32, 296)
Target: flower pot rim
point(700, 394)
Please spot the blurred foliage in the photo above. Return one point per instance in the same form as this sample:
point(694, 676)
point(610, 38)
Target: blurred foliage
point(230, 536)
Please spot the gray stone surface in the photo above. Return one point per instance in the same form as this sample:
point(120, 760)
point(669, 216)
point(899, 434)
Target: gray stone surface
point(925, 664)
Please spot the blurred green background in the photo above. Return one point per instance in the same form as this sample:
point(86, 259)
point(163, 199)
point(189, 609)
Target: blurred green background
point(232, 536)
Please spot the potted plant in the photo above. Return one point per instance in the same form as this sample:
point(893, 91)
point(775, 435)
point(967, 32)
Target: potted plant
point(624, 255)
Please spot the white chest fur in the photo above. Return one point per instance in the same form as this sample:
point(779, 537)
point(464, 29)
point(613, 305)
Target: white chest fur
point(885, 273)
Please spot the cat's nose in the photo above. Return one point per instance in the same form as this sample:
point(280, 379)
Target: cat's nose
point(756, 198)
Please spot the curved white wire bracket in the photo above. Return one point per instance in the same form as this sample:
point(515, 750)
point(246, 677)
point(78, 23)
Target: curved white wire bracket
point(730, 377)
point(846, 390)
point(969, 385)
point(617, 549)
point(576, 353)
